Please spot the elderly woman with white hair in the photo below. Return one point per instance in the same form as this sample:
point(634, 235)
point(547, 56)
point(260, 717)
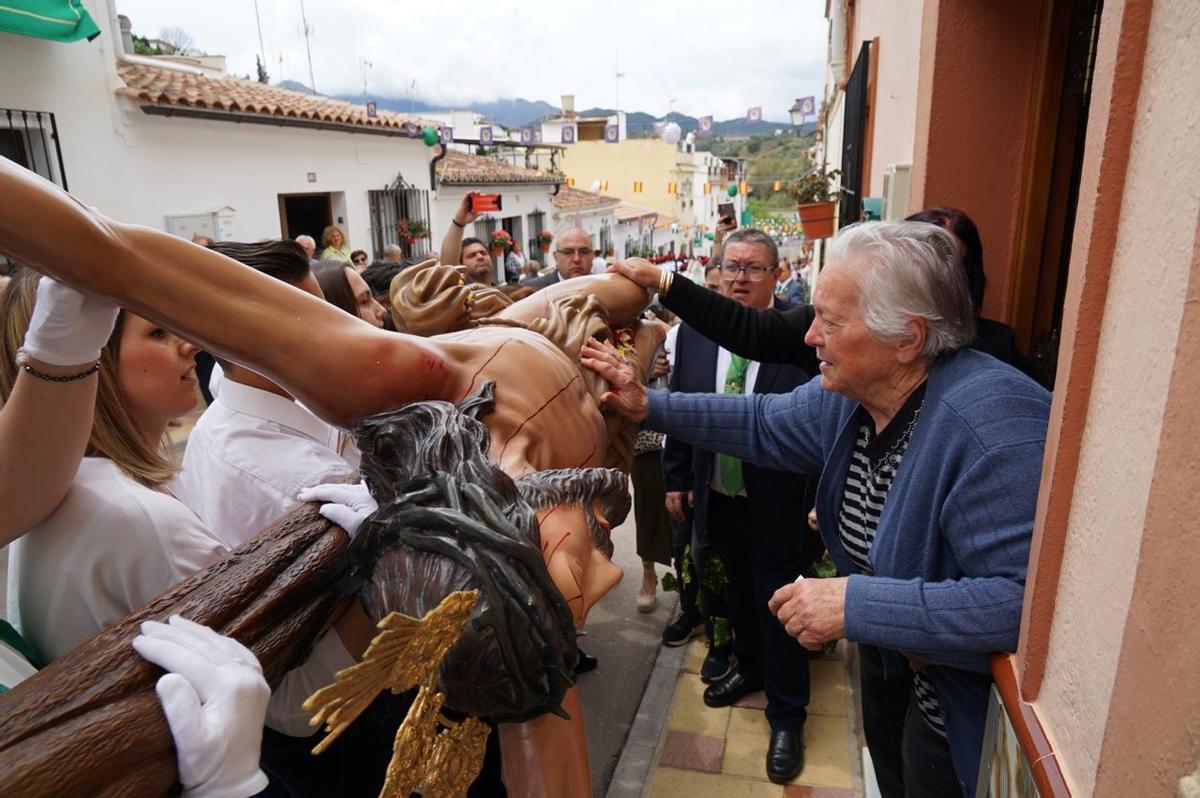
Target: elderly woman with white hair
point(930, 455)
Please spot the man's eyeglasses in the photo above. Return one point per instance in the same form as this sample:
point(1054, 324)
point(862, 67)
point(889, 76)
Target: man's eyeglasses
point(570, 253)
point(754, 272)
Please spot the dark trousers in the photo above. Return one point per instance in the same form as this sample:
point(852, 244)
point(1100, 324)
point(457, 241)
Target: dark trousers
point(911, 760)
point(759, 559)
point(689, 583)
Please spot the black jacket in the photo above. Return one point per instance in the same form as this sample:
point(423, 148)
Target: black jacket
point(780, 499)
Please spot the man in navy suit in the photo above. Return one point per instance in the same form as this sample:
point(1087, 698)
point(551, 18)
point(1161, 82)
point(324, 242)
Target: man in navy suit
point(792, 289)
point(753, 518)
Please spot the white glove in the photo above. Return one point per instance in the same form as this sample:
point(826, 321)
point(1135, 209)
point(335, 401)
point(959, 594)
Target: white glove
point(68, 327)
point(345, 505)
point(215, 700)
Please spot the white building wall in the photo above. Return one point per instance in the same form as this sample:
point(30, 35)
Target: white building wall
point(140, 169)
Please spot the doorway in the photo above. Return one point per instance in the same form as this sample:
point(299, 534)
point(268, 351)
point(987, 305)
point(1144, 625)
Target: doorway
point(305, 214)
point(1045, 251)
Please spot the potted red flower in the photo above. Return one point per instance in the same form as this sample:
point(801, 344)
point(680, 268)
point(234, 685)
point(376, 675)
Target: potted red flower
point(544, 239)
point(501, 241)
point(410, 230)
point(816, 197)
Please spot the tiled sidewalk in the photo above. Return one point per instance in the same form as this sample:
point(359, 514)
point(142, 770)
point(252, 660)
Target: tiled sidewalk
point(722, 752)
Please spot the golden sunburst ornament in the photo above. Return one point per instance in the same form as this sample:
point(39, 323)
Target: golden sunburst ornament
point(405, 654)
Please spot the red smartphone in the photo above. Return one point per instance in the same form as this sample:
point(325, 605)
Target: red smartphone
point(482, 203)
point(725, 211)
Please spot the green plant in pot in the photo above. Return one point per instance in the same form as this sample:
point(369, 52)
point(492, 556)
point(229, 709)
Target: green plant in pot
point(816, 196)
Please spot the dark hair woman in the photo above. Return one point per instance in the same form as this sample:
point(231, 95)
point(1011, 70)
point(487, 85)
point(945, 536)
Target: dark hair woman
point(345, 288)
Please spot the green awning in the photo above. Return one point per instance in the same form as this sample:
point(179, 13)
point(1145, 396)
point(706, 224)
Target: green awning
point(57, 20)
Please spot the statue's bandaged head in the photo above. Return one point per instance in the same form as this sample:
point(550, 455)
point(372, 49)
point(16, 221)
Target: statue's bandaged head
point(449, 519)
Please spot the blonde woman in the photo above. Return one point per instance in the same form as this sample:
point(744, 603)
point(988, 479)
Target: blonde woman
point(50, 393)
point(335, 245)
point(86, 489)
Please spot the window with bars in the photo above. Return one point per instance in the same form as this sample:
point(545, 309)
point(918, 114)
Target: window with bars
point(30, 138)
point(390, 208)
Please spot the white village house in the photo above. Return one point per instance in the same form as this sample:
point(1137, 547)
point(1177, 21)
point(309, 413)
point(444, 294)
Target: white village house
point(526, 199)
point(189, 150)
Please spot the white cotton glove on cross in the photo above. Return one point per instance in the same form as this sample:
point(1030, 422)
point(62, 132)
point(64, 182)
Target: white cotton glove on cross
point(68, 327)
point(346, 505)
point(215, 700)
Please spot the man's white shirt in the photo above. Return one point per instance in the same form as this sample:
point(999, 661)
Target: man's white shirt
point(250, 455)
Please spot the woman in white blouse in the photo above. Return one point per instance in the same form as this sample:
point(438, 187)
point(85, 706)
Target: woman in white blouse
point(88, 392)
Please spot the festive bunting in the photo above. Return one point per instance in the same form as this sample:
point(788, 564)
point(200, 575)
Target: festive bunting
point(708, 188)
point(706, 125)
point(568, 134)
point(372, 109)
point(612, 133)
point(777, 185)
point(485, 135)
point(743, 188)
point(807, 105)
point(637, 186)
point(672, 188)
point(603, 185)
point(570, 182)
point(447, 135)
point(527, 135)
point(754, 114)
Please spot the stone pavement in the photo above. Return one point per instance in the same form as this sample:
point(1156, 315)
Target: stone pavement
point(680, 747)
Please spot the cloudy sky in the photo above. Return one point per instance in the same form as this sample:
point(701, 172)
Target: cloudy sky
point(707, 56)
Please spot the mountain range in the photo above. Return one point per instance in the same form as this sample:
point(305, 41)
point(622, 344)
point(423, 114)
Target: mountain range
point(519, 112)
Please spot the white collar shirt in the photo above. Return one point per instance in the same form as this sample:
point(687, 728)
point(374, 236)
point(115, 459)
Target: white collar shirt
point(249, 456)
point(110, 547)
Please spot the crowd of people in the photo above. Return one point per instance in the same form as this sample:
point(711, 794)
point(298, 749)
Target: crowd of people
point(870, 418)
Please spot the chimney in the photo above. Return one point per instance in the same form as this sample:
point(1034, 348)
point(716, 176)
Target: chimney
point(568, 106)
point(126, 33)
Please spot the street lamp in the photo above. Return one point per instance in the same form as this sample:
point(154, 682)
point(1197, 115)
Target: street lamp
point(797, 114)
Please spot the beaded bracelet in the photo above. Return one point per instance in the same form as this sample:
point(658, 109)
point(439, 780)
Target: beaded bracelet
point(28, 369)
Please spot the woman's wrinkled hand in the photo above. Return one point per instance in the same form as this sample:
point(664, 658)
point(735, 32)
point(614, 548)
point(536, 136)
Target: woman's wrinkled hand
point(628, 395)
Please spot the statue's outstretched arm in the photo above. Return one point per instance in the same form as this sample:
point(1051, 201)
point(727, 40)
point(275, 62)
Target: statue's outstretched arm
point(336, 364)
point(621, 297)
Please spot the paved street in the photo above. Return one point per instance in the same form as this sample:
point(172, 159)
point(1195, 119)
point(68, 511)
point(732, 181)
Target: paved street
point(626, 643)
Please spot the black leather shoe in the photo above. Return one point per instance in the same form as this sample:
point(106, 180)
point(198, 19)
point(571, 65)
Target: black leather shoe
point(785, 756)
point(730, 690)
point(586, 663)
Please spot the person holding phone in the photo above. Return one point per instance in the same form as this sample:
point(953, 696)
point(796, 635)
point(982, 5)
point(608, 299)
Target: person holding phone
point(726, 224)
point(471, 253)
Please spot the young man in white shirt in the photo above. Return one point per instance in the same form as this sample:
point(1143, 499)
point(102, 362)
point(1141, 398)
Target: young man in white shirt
point(247, 459)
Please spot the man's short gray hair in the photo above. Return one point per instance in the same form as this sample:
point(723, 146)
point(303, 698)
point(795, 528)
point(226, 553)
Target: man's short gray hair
point(306, 239)
point(393, 251)
point(910, 269)
point(748, 235)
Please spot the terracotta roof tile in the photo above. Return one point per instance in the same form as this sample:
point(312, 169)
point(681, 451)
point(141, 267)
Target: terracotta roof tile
point(629, 213)
point(172, 88)
point(574, 199)
point(459, 167)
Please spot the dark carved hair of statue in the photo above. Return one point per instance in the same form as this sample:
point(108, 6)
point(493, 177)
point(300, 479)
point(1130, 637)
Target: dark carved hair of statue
point(449, 519)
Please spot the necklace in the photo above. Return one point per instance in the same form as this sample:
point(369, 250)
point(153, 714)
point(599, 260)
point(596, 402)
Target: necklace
point(896, 450)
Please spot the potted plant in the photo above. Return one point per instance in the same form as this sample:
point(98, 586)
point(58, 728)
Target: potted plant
point(410, 230)
point(501, 241)
point(544, 238)
point(815, 197)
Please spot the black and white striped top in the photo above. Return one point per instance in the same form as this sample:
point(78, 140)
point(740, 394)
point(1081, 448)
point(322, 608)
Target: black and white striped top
point(873, 466)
